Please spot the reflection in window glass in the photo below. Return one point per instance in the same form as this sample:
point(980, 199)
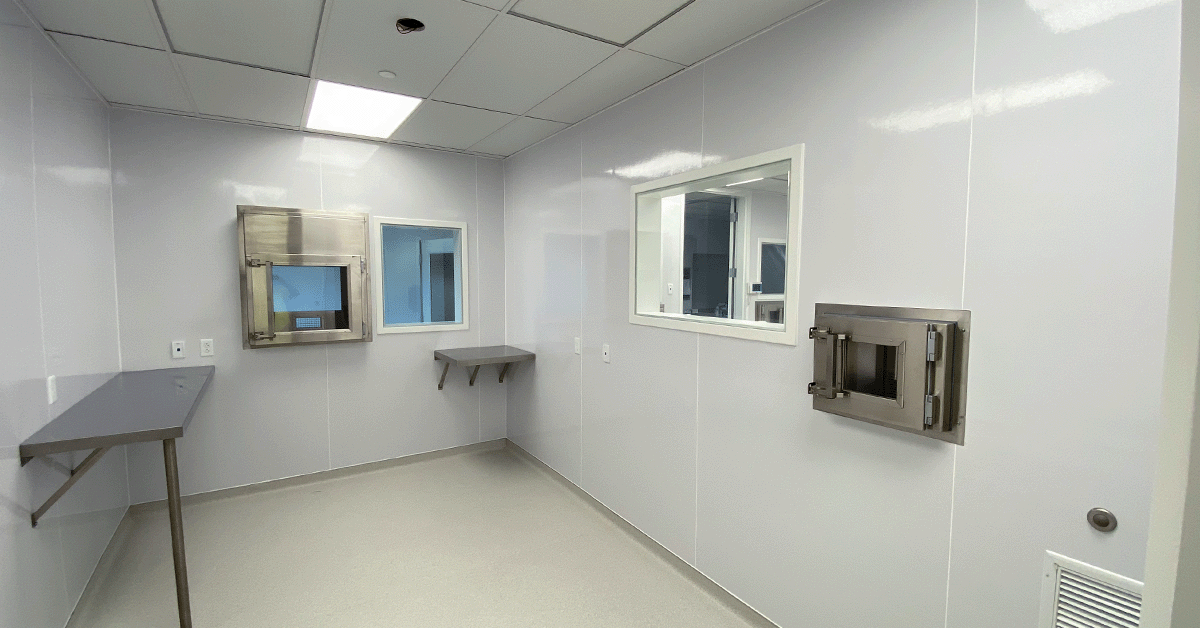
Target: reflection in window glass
point(773, 268)
point(307, 288)
point(422, 275)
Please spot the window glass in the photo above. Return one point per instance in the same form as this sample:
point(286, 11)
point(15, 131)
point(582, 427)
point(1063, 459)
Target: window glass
point(422, 275)
point(713, 250)
point(307, 288)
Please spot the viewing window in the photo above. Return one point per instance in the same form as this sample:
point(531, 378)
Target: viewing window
point(421, 277)
point(713, 249)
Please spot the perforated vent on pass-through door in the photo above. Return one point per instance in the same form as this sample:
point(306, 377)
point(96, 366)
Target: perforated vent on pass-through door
point(1078, 595)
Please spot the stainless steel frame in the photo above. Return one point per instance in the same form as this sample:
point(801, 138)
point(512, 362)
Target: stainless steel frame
point(931, 352)
point(271, 236)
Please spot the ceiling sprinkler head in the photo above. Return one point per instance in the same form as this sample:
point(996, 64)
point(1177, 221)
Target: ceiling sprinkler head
point(408, 25)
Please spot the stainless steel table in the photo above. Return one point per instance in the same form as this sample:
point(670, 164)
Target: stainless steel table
point(132, 407)
point(474, 357)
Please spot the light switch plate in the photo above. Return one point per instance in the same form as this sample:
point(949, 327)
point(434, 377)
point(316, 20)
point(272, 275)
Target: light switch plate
point(206, 347)
point(177, 348)
point(578, 345)
point(604, 350)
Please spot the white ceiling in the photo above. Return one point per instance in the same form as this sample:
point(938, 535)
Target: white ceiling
point(498, 75)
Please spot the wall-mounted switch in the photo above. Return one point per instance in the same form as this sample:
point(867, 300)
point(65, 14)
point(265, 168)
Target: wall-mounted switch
point(578, 345)
point(206, 347)
point(670, 288)
point(177, 349)
point(52, 389)
point(604, 351)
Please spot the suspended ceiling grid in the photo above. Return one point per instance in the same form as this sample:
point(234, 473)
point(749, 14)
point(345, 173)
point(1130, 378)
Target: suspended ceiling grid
point(497, 75)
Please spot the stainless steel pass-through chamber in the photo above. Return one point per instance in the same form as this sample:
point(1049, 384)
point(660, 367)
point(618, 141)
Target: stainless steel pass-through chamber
point(304, 276)
point(904, 368)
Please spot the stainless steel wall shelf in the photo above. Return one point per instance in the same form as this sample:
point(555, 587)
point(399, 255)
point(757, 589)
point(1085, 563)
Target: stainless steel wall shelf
point(904, 368)
point(132, 407)
point(474, 357)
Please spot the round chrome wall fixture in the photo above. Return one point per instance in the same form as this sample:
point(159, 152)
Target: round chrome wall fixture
point(408, 25)
point(1102, 520)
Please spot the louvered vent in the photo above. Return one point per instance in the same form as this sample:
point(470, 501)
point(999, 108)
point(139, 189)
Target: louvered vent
point(1078, 595)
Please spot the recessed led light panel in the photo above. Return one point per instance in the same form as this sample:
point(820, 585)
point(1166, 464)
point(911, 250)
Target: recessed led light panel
point(358, 111)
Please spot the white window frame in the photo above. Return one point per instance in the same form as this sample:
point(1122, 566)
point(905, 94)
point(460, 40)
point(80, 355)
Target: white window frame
point(377, 224)
point(749, 330)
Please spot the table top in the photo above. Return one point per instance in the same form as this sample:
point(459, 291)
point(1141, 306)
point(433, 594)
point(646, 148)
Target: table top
point(132, 407)
point(474, 356)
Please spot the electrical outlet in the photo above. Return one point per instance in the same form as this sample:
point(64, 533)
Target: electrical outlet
point(604, 351)
point(578, 345)
point(206, 347)
point(52, 389)
point(177, 348)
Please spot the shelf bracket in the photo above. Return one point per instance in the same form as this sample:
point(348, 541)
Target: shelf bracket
point(76, 474)
point(442, 381)
point(473, 374)
point(504, 371)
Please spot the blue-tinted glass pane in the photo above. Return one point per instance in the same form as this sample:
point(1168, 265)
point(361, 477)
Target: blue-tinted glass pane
point(774, 268)
point(307, 288)
point(422, 275)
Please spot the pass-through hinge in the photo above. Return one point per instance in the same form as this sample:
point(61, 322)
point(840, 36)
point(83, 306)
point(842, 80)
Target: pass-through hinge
point(255, 263)
point(262, 335)
point(931, 344)
point(931, 408)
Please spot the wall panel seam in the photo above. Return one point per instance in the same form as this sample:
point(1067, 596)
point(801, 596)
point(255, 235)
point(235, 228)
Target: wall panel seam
point(963, 301)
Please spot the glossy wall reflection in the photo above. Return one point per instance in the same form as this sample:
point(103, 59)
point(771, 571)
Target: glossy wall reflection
point(60, 295)
point(1012, 158)
point(287, 411)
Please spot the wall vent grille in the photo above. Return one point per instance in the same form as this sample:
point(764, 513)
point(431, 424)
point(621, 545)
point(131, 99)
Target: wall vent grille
point(1078, 595)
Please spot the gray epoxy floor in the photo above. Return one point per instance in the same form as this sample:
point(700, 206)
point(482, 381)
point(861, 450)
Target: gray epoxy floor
point(473, 539)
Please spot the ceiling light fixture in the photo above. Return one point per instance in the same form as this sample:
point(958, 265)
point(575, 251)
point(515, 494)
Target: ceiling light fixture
point(729, 185)
point(387, 74)
point(408, 25)
point(357, 110)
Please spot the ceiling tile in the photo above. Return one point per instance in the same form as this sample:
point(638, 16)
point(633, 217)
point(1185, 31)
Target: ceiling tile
point(236, 91)
point(617, 21)
point(279, 35)
point(126, 21)
point(708, 26)
point(450, 126)
point(516, 135)
point(361, 39)
point(517, 63)
point(11, 15)
point(615, 78)
point(127, 74)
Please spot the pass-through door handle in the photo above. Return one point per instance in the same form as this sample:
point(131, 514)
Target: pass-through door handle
point(830, 373)
point(268, 299)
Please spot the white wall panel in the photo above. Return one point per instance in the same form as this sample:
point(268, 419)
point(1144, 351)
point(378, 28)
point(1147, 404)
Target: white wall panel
point(542, 226)
point(275, 413)
point(1072, 199)
point(59, 293)
point(489, 293)
point(264, 416)
point(652, 374)
point(799, 512)
point(872, 200)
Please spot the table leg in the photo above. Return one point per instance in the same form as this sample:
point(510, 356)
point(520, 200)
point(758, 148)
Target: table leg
point(175, 509)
